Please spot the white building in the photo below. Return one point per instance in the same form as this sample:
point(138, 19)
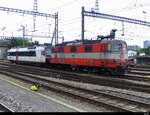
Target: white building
point(131, 53)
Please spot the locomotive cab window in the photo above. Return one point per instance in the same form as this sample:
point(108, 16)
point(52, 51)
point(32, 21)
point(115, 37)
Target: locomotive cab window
point(88, 48)
point(12, 54)
point(8, 54)
point(116, 47)
point(73, 49)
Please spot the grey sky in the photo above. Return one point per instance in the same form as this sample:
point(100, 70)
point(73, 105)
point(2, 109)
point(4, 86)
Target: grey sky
point(70, 19)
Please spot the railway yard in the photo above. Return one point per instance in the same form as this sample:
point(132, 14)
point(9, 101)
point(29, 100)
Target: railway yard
point(94, 62)
point(71, 91)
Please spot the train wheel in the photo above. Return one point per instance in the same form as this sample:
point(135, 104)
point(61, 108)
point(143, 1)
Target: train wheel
point(73, 68)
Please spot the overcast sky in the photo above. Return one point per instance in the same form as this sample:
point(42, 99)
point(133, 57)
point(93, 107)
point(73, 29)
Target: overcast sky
point(70, 19)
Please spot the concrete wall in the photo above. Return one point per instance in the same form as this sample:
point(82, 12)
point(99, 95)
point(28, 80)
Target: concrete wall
point(143, 60)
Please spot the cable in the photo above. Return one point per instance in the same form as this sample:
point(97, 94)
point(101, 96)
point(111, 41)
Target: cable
point(128, 8)
point(65, 4)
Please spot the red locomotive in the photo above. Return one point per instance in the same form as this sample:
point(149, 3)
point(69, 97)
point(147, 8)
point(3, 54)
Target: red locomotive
point(108, 55)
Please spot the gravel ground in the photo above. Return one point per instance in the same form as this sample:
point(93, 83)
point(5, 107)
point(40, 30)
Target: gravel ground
point(24, 100)
point(21, 100)
point(114, 91)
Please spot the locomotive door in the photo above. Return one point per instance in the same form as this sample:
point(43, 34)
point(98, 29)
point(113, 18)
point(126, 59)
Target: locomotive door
point(121, 51)
point(38, 56)
point(103, 54)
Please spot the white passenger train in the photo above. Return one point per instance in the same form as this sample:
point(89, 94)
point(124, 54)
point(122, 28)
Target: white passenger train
point(37, 54)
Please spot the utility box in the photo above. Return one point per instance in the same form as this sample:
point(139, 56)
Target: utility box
point(3, 53)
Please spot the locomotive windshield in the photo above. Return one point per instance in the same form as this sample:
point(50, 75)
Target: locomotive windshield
point(116, 47)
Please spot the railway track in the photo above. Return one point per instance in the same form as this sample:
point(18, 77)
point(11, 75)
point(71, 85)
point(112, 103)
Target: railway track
point(104, 100)
point(109, 102)
point(117, 81)
point(139, 75)
point(4, 108)
point(140, 71)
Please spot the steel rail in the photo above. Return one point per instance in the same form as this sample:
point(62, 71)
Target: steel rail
point(58, 87)
point(118, 82)
point(5, 108)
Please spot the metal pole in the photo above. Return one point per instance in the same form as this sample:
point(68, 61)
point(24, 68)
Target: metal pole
point(56, 28)
point(122, 28)
point(144, 12)
point(35, 9)
point(62, 39)
point(82, 31)
point(49, 30)
point(23, 34)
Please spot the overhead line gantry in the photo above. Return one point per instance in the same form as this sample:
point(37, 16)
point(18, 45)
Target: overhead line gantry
point(110, 17)
point(36, 13)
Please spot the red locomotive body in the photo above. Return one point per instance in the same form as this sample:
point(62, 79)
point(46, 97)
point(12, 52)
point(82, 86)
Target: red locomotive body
point(109, 55)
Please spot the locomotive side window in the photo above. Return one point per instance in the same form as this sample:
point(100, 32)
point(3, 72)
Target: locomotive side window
point(61, 49)
point(12, 53)
point(73, 49)
point(20, 53)
point(26, 53)
point(116, 47)
point(32, 53)
point(109, 47)
point(88, 48)
point(124, 48)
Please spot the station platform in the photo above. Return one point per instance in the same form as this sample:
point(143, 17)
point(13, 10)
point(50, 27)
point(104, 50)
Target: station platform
point(22, 99)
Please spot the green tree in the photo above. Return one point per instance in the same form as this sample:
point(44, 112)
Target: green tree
point(19, 42)
point(144, 50)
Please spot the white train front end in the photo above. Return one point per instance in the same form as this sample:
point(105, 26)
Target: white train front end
point(36, 54)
